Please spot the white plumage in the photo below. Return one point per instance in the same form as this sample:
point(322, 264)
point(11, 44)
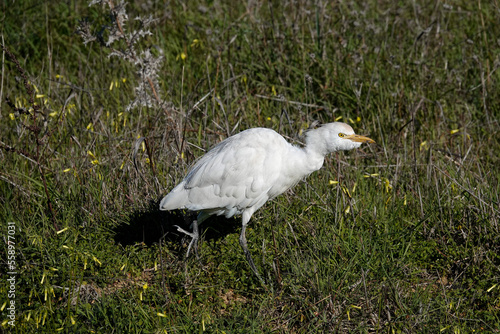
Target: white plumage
point(243, 172)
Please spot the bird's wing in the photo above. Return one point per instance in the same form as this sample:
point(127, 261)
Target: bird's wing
point(237, 173)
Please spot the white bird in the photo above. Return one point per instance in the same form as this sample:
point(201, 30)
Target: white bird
point(243, 172)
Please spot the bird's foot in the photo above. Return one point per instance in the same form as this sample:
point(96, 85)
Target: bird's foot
point(254, 269)
point(243, 243)
point(194, 239)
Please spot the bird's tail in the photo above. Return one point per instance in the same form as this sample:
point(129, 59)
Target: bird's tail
point(176, 199)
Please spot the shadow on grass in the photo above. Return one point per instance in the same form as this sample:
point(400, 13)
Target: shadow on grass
point(150, 225)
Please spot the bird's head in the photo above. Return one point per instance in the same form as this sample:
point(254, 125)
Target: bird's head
point(334, 137)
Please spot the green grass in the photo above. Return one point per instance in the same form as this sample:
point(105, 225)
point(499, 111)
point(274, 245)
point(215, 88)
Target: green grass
point(407, 241)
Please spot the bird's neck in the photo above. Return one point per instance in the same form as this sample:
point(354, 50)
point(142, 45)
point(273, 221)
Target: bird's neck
point(303, 161)
point(314, 159)
point(315, 150)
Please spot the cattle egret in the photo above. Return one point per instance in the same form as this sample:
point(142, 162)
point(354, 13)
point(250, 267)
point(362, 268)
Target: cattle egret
point(244, 171)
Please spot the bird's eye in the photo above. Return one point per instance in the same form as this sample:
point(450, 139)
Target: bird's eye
point(341, 135)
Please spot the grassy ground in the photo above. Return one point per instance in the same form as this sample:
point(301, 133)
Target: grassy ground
point(398, 237)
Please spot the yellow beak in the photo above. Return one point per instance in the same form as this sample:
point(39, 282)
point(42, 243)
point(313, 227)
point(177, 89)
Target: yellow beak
point(359, 139)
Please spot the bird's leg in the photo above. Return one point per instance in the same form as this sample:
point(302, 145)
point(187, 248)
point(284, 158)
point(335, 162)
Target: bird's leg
point(195, 235)
point(243, 244)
